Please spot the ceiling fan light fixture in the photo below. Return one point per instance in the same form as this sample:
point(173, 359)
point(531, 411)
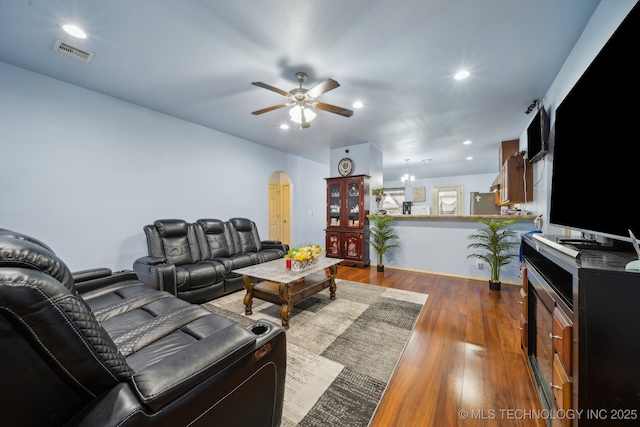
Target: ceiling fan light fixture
point(303, 101)
point(296, 114)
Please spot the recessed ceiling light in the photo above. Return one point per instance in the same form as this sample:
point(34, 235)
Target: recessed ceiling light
point(357, 104)
point(74, 31)
point(461, 75)
point(284, 126)
point(469, 158)
point(467, 142)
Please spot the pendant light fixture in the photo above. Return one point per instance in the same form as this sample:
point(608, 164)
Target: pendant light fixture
point(407, 179)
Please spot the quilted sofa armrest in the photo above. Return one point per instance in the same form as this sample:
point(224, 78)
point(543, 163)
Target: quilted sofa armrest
point(156, 273)
point(151, 260)
point(181, 372)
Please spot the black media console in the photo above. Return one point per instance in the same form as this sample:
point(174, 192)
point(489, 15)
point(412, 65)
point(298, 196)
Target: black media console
point(580, 334)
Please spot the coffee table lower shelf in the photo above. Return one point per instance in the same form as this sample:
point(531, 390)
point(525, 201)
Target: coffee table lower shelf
point(287, 294)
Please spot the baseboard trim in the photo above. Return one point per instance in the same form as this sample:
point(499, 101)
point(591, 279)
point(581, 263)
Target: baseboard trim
point(439, 273)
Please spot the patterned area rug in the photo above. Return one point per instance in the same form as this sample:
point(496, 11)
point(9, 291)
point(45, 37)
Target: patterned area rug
point(340, 354)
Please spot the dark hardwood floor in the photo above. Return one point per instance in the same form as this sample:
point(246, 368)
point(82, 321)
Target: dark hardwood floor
point(463, 365)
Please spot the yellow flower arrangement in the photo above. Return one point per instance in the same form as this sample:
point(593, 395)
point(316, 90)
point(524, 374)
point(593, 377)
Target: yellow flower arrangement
point(305, 253)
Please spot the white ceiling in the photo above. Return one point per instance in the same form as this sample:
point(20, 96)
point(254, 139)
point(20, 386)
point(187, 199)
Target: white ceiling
point(195, 60)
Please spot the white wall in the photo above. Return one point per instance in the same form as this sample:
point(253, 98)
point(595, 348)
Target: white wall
point(85, 172)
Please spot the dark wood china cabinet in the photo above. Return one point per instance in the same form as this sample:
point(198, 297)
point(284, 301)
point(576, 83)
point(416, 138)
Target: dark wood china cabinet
point(347, 223)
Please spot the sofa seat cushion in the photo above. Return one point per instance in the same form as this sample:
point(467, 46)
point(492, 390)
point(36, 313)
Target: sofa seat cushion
point(147, 332)
point(128, 315)
point(243, 260)
point(123, 300)
point(211, 328)
point(226, 262)
point(198, 275)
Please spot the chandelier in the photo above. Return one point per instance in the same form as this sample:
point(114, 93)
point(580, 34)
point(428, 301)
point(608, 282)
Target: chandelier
point(407, 180)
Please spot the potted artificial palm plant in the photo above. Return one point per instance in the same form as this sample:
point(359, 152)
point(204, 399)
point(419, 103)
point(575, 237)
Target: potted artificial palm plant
point(495, 241)
point(381, 236)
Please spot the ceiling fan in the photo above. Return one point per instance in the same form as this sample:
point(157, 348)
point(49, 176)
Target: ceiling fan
point(302, 101)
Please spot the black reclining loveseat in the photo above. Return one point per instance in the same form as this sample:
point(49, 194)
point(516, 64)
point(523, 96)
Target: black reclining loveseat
point(194, 261)
point(97, 348)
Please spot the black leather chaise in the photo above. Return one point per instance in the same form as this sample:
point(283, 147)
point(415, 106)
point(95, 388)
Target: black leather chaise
point(97, 348)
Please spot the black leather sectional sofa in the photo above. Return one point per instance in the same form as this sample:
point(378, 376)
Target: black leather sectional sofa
point(194, 261)
point(97, 348)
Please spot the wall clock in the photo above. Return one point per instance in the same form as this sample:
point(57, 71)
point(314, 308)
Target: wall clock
point(345, 167)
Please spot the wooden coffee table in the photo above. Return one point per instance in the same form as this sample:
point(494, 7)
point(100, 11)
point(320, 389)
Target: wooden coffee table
point(272, 282)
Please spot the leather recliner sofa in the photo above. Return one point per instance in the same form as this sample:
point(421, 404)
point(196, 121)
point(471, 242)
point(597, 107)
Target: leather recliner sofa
point(97, 348)
point(194, 261)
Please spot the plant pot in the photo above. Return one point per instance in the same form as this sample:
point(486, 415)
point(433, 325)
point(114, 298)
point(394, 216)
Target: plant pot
point(380, 268)
point(494, 286)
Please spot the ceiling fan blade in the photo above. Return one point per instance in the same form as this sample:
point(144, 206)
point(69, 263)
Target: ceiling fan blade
point(266, 110)
point(333, 109)
point(323, 87)
point(274, 89)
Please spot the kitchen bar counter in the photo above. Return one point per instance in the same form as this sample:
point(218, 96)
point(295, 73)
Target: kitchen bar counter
point(438, 244)
point(461, 217)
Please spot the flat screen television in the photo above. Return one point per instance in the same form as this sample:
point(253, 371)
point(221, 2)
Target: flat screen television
point(596, 148)
point(538, 136)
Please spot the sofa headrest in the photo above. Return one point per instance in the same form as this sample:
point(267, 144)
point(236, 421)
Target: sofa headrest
point(5, 232)
point(211, 226)
point(171, 227)
point(20, 251)
point(241, 224)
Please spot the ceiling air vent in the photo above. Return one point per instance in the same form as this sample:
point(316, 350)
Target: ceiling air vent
point(72, 51)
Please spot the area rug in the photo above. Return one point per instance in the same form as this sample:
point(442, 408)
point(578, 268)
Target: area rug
point(340, 354)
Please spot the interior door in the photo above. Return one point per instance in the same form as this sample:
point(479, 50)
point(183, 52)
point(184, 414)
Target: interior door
point(274, 212)
point(285, 213)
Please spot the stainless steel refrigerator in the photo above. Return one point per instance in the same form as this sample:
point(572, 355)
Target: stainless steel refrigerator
point(484, 204)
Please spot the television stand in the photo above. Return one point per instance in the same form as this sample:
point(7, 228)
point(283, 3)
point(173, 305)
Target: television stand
point(607, 245)
point(581, 351)
point(557, 246)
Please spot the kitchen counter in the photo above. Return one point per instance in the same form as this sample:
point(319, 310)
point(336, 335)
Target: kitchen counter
point(438, 244)
point(461, 217)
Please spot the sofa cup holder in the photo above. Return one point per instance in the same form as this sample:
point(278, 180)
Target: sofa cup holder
point(260, 328)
